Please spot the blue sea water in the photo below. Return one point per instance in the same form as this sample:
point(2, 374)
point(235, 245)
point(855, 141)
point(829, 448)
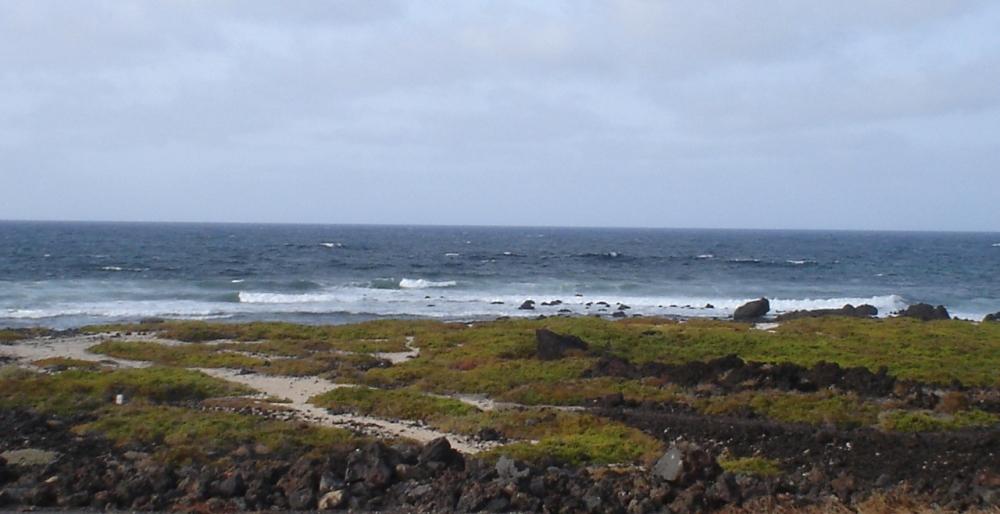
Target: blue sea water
point(70, 274)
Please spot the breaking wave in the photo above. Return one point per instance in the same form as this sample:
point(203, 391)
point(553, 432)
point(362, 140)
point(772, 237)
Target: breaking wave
point(419, 283)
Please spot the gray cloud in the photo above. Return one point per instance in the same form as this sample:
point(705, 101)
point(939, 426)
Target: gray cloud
point(682, 113)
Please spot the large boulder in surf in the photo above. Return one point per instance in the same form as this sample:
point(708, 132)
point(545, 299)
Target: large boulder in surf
point(995, 318)
point(528, 305)
point(925, 312)
point(850, 311)
point(551, 346)
point(752, 311)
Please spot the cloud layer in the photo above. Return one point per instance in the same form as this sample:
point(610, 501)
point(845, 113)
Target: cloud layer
point(683, 113)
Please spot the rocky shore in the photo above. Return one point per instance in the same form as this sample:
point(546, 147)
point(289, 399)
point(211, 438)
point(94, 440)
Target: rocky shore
point(586, 415)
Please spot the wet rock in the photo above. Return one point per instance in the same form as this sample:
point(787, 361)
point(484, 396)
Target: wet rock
point(618, 314)
point(551, 346)
point(752, 311)
point(684, 463)
point(925, 312)
point(995, 317)
point(528, 305)
point(332, 500)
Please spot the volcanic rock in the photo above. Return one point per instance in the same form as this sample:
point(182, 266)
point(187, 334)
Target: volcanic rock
point(551, 346)
point(528, 305)
point(752, 311)
point(925, 312)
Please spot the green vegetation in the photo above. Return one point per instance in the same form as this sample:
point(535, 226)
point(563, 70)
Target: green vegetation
point(396, 403)
point(561, 436)
point(64, 363)
point(928, 421)
point(185, 435)
point(813, 408)
point(84, 390)
point(8, 335)
point(186, 356)
point(380, 336)
point(757, 466)
point(578, 391)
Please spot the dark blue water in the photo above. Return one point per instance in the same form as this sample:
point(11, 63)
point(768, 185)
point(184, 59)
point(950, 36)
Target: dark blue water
point(68, 274)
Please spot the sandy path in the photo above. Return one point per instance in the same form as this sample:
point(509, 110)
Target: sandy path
point(71, 347)
point(298, 390)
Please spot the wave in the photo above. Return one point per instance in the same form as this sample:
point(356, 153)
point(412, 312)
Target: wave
point(419, 283)
point(705, 256)
point(269, 298)
point(119, 268)
point(744, 260)
point(800, 262)
point(452, 254)
point(996, 245)
point(332, 245)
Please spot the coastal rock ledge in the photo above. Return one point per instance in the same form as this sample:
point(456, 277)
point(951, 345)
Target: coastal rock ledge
point(752, 311)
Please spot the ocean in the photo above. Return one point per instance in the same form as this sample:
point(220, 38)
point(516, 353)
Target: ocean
point(68, 274)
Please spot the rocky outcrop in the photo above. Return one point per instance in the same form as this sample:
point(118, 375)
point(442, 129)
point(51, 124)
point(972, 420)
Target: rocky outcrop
point(528, 305)
point(850, 311)
point(551, 346)
point(685, 463)
point(752, 311)
point(995, 317)
point(925, 312)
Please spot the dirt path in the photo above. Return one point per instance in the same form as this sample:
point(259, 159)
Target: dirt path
point(296, 390)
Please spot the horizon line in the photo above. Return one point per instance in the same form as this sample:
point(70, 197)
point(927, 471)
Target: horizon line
point(446, 225)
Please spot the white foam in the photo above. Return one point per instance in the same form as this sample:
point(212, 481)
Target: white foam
point(237, 281)
point(419, 283)
point(996, 245)
point(800, 262)
point(332, 245)
point(279, 298)
point(452, 254)
point(706, 256)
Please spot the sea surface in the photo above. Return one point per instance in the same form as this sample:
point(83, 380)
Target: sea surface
point(70, 274)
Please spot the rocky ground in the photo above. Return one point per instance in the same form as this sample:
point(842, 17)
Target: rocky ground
point(591, 427)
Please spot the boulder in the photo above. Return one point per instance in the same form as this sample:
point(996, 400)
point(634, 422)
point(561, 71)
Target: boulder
point(440, 450)
point(618, 314)
point(551, 346)
point(925, 312)
point(995, 317)
point(685, 463)
point(508, 469)
point(850, 311)
point(528, 305)
point(752, 311)
point(332, 500)
point(370, 465)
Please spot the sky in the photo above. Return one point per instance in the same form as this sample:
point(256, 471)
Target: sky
point(735, 114)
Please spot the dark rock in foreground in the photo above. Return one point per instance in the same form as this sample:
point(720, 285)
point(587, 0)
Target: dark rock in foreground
point(995, 317)
point(925, 312)
point(850, 311)
point(551, 346)
point(752, 311)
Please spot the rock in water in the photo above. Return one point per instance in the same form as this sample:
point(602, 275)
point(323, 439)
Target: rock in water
point(528, 305)
point(551, 346)
point(925, 312)
point(752, 311)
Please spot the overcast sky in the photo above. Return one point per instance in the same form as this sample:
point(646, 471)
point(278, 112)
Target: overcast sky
point(756, 114)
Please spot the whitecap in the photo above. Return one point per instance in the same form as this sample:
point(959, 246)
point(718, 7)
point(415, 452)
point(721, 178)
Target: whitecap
point(800, 262)
point(237, 281)
point(452, 254)
point(419, 283)
point(996, 245)
point(332, 245)
point(706, 256)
